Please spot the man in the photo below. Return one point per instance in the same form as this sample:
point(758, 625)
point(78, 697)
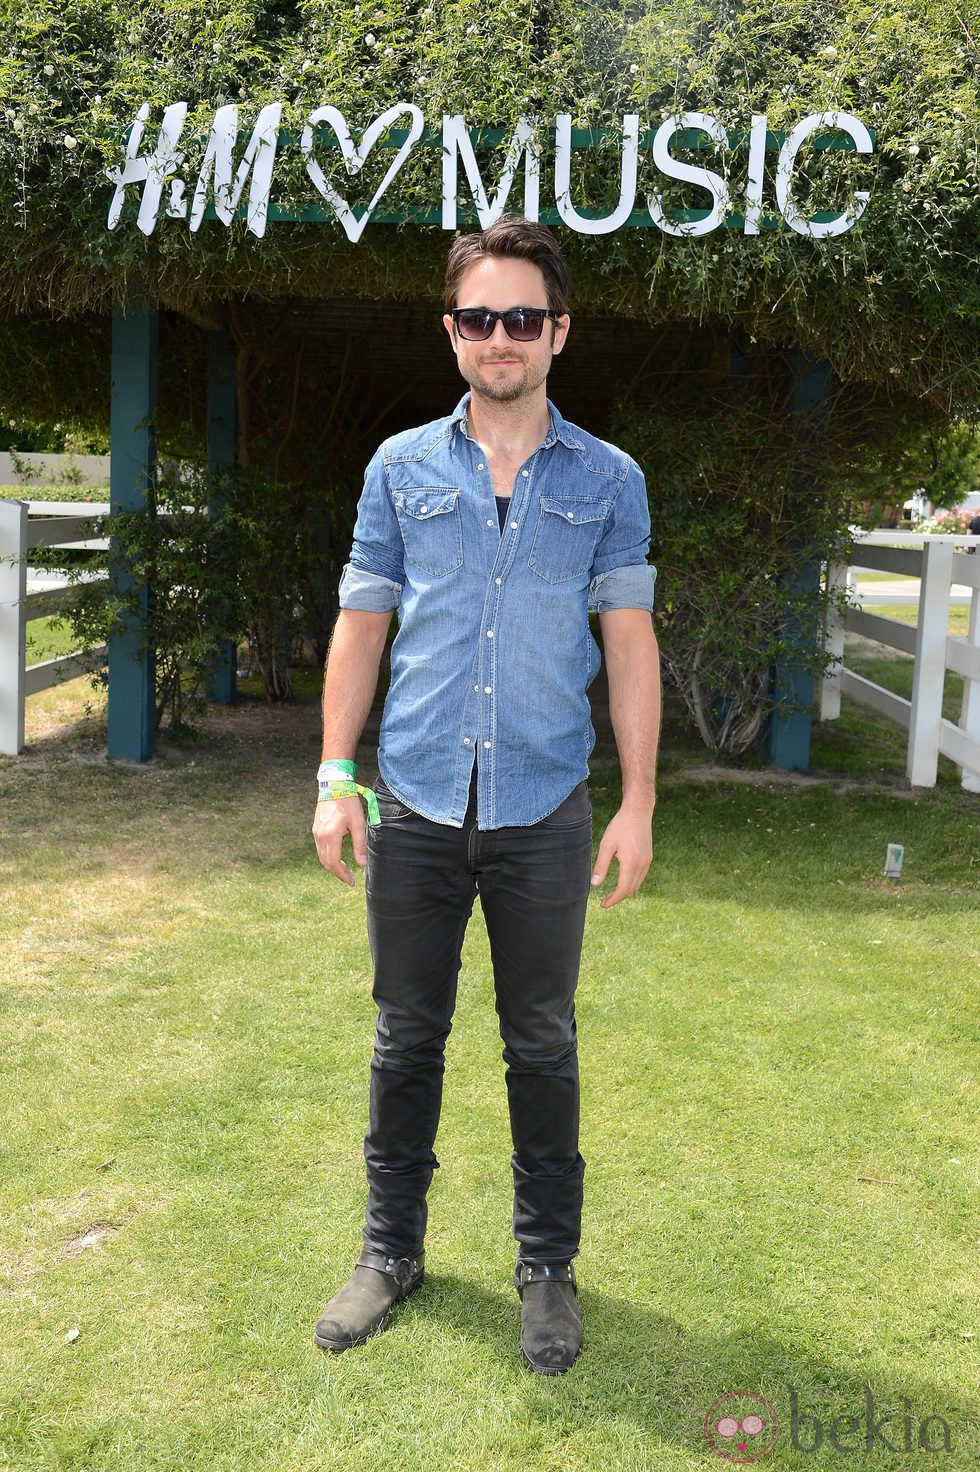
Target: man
point(492, 532)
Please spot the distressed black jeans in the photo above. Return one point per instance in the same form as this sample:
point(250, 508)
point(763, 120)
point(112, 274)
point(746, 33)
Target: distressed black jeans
point(533, 884)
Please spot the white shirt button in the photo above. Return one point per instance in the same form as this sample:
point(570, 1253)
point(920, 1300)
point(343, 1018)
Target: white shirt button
point(489, 522)
point(466, 741)
point(479, 467)
point(486, 745)
point(513, 526)
point(524, 473)
point(498, 581)
point(476, 688)
point(423, 509)
point(489, 633)
point(487, 690)
point(571, 515)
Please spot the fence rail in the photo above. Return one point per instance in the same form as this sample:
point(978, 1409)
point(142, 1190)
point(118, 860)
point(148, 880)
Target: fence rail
point(940, 563)
point(25, 526)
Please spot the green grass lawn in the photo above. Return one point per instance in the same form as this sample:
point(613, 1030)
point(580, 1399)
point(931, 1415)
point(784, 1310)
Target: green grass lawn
point(780, 1110)
point(47, 638)
point(863, 745)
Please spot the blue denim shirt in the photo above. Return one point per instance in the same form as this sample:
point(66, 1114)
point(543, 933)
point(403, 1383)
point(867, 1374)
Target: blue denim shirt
point(494, 653)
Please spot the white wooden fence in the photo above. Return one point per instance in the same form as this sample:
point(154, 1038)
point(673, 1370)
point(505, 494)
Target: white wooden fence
point(24, 526)
point(940, 562)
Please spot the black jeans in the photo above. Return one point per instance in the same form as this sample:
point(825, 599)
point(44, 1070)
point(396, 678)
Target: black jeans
point(533, 884)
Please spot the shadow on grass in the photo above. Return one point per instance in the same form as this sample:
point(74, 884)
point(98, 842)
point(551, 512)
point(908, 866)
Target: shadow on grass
point(638, 1365)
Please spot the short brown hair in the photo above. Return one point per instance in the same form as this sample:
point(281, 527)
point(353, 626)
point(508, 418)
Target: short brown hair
point(515, 238)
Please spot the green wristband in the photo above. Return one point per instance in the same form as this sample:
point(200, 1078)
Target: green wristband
point(336, 781)
point(335, 768)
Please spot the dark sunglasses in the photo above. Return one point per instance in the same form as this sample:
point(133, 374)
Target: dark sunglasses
point(522, 324)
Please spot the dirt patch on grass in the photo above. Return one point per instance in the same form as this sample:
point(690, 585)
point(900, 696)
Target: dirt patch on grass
point(707, 773)
point(45, 1244)
point(94, 1235)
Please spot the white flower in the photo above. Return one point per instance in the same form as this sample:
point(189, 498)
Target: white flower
point(913, 149)
point(49, 70)
point(389, 51)
point(69, 141)
point(370, 39)
point(18, 125)
point(306, 65)
point(97, 98)
point(830, 52)
point(634, 68)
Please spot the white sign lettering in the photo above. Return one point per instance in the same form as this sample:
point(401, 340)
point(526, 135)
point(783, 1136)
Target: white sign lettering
point(819, 122)
point(457, 145)
point(159, 169)
point(216, 177)
point(354, 156)
point(673, 168)
point(627, 177)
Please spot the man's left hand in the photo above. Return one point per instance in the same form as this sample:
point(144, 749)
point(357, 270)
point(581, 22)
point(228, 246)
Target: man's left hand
point(629, 840)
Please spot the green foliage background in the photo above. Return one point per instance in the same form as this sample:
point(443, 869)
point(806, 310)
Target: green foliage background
point(896, 300)
point(893, 306)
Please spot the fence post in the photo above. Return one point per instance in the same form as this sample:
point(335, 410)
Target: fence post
point(838, 578)
point(132, 470)
point(810, 398)
point(930, 662)
point(13, 624)
point(970, 710)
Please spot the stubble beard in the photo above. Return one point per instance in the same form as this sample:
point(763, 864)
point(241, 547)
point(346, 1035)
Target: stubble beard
point(503, 390)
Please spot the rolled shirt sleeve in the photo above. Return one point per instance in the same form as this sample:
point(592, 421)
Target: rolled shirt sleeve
point(623, 587)
point(374, 577)
point(621, 575)
point(368, 591)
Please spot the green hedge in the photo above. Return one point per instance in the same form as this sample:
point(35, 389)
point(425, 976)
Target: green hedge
point(895, 301)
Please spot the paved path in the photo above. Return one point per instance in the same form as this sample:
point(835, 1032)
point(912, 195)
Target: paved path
point(901, 590)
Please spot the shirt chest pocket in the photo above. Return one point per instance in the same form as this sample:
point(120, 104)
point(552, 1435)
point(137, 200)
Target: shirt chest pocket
point(430, 525)
point(566, 537)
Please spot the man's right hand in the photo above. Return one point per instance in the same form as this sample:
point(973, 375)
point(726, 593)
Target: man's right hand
point(333, 821)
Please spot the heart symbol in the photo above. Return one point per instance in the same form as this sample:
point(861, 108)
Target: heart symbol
point(355, 155)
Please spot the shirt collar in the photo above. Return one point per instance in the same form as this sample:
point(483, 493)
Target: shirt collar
point(560, 429)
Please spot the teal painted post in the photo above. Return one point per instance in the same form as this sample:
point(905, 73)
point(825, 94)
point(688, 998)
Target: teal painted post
point(222, 437)
point(791, 725)
point(132, 472)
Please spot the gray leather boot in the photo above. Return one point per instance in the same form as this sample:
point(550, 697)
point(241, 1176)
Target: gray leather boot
point(364, 1304)
point(551, 1328)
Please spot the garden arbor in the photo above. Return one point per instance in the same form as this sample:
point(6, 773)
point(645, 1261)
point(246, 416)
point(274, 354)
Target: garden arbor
point(770, 219)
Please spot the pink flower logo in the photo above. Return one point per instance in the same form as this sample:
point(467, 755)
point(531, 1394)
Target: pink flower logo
point(742, 1426)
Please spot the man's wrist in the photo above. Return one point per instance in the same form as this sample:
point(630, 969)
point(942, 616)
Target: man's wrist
point(336, 780)
point(640, 805)
point(339, 768)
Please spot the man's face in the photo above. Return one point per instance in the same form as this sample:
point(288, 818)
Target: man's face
point(500, 369)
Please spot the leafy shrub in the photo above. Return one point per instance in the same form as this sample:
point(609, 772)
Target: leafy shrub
point(738, 525)
point(212, 559)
